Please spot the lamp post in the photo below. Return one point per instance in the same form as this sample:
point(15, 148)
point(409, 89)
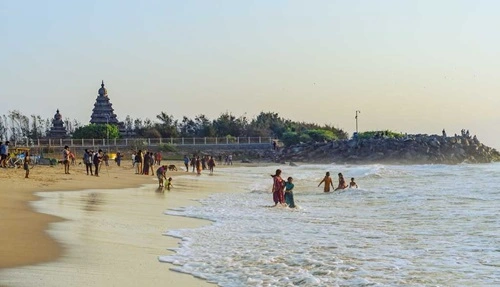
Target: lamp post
point(356, 117)
point(107, 129)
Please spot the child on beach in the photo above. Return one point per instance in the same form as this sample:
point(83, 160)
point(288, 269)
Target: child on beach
point(169, 183)
point(353, 184)
point(342, 183)
point(328, 182)
point(160, 173)
point(289, 193)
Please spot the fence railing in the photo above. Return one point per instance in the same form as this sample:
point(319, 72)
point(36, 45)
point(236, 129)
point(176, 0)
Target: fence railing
point(147, 142)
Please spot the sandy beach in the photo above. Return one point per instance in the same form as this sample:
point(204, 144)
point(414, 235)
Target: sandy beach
point(108, 232)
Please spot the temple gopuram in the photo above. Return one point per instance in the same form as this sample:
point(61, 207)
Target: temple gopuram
point(103, 112)
point(57, 130)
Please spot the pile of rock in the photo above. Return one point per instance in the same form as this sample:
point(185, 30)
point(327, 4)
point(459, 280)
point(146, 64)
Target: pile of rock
point(412, 149)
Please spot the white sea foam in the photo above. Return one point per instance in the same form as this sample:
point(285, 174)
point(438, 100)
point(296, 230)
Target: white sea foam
point(406, 226)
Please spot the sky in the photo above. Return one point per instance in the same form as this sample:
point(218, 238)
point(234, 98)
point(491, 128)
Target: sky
point(407, 66)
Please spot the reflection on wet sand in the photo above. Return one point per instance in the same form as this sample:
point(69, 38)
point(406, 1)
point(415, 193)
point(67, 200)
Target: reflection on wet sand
point(92, 201)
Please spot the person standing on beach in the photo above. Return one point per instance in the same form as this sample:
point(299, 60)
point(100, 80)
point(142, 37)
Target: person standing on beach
point(193, 162)
point(26, 164)
point(96, 159)
point(278, 185)
point(158, 158)
point(65, 154)
point(118, 158)
point(342, 183)
point(211, 164)
point(147, 158)
point(152, 163)
point(328, 182)
point(105, 158)
point(4, 151)
point(198, 165)
point(186, 162)
point(87, 160)
point(138, 162)
point(160, 174)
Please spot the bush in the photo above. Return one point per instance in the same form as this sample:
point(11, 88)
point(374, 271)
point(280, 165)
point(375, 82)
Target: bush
point(290, 138)
point(321, 135)
point(380, 134)
point(167, 148)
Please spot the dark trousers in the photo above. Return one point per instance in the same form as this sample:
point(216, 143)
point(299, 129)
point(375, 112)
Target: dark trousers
point(89, 168)
point(96, 172)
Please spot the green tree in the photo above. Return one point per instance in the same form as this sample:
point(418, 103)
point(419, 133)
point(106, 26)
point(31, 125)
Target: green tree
point(167, 126)
point(95, 131)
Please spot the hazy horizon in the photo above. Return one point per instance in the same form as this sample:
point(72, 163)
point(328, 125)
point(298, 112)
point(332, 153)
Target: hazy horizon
point(408, 66)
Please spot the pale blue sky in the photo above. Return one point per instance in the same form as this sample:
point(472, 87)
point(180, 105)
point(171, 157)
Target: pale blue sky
point(409, 66)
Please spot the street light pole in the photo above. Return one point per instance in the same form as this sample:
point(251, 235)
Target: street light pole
point(107, 129)
point(357, 112)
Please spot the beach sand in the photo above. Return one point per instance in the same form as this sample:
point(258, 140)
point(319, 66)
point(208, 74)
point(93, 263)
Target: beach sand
point(109, 231)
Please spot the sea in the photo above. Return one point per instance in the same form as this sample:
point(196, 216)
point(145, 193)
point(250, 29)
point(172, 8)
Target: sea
point(406, 225)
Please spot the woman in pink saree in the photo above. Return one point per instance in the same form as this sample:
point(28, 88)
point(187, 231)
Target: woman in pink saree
point(278, 188)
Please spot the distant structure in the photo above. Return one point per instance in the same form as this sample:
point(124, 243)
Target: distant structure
point(57, 130)
point(103, 112)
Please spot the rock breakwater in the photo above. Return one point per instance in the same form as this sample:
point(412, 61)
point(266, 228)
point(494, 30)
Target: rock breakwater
point(412, 149)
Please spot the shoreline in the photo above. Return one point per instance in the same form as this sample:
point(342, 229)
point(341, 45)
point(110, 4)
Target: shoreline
point(29, 240)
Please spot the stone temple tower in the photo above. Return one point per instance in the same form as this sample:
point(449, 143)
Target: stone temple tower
point(57, 130)
point(103, 111)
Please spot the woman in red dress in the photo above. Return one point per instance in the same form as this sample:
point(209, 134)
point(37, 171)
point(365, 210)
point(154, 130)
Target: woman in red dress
point(278, 188)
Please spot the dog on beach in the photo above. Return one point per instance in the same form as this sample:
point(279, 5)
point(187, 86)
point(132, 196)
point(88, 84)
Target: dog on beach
point(172, 167)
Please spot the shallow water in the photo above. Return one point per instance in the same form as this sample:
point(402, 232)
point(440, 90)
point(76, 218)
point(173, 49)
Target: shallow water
point(425, 225)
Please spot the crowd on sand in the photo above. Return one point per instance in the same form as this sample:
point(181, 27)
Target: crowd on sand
point(283, 190)
point(144, 163)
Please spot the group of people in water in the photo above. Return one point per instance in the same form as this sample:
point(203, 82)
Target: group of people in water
point(327, 180)
point(283, 190)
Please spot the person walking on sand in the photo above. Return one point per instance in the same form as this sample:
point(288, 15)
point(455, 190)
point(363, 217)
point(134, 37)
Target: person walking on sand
point(278, 185)
point(65, 155)
point(289, 193)
point(26, 164)
point(342, 183)
point(328, 182)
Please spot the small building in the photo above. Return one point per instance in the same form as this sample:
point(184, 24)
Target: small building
point(57, 130)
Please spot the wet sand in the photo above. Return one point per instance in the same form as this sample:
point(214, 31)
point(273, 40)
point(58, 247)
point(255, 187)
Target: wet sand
point(91, 231)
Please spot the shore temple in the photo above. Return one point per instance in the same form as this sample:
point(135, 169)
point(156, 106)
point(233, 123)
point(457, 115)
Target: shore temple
point(103, 112)
point(57, 130)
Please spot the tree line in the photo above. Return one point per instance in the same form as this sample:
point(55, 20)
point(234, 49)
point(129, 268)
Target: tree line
point(18, 127)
